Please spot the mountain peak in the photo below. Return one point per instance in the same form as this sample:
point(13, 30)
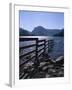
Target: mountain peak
point(41, 31)
point(39, 27)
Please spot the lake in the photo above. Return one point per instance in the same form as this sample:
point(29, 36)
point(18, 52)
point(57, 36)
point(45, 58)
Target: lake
point(58, 48)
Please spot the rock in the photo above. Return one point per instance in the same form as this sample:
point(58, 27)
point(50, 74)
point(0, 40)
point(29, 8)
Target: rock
point(39, 75)
point(42, 64)
point(60, 73)
point(47, 75)
point(32, 69)
point(51, 70)
point(25, 76)
point(29, 64)
point(54, 75)
point(60, 60)
point(50, 66)
point(45, 68)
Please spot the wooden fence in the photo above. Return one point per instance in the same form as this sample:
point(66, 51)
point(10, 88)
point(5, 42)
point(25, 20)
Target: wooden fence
point(44, 43)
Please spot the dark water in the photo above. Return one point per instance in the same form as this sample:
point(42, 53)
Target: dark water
point(58, 48)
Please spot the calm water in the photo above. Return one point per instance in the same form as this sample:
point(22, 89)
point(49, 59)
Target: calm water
point(57, 50)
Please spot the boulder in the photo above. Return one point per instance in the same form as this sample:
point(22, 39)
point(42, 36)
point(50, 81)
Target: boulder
point(59, 60)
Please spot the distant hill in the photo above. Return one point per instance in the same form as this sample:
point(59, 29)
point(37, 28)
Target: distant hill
point(23, 32)
point(61, 33)
point(41, 31)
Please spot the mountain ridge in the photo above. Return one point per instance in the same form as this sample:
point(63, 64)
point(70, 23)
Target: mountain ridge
point(41, 31)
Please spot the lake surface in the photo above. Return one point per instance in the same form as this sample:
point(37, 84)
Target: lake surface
point(57, 50)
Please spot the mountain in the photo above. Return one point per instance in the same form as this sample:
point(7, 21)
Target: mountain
point(61, 33)
point(23, 32)
point(41, 31)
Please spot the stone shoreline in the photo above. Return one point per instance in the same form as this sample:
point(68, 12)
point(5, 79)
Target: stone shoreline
point(47, 68)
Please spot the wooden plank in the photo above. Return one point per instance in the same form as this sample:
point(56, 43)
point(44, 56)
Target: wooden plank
point(26, 61)
point(44, 46)
point(27, 46)
point(40, 45)
point(27, 53)
point(41, 40)
point(41, 49)
point(27, 39)
point(47, 47)
point(40, 54)
point(20, 77)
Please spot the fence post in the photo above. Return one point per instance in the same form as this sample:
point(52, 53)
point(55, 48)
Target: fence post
point(36, 58)
point(48, 45)
point(44, 46)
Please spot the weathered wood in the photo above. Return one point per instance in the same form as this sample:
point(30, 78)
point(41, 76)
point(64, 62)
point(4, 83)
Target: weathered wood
point(36, 62)
point(27, 46)
point(41, 45)
point(38, 44)
point(41, 40)
point(21, 39)
point(44, 46)
point(27, 53)
point(41, 49)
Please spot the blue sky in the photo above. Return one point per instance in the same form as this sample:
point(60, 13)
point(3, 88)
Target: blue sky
point(50, 20)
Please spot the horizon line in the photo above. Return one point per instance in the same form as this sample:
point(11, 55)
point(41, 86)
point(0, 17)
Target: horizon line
point(44, 28)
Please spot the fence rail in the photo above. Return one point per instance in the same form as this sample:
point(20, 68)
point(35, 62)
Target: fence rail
point(38, 51)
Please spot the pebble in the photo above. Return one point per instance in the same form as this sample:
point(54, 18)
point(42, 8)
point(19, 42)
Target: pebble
point(45, 68)
point(47, 76)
